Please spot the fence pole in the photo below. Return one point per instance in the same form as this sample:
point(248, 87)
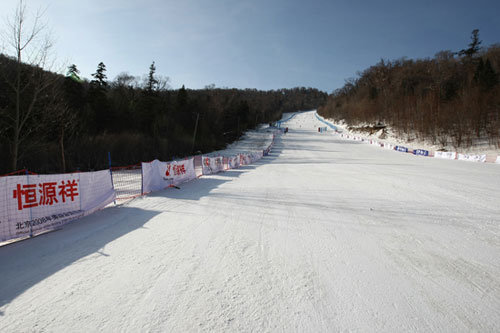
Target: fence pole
point(142, 180)
point(111, 175)
point(31, 212)
point(79, 182)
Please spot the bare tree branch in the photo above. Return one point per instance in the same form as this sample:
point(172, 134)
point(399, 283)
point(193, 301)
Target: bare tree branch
point(30, 49)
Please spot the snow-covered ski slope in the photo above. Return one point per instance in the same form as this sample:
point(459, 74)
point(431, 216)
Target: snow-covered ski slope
point(323, 235)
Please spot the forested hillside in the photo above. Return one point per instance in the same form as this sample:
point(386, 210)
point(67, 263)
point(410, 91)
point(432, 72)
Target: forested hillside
point(55, 123)
point(453, 98)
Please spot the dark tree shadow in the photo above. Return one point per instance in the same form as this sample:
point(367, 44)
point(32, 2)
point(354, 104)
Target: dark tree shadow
point(26, 263)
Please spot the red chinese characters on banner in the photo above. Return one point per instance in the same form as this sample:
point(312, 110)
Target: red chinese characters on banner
point(175, 170)
point(70, 189)
point(179, 170)
point(49, 193)
point(28, 193)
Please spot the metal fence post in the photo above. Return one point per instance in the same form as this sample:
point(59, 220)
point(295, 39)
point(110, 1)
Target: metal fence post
point(111, 175)
point(142, 180)
point(31, 211)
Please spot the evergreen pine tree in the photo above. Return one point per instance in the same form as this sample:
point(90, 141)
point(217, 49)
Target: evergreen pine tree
point(152, 82)
point(182, 97)
point(100, 76)
point(73, 73)
point(485, 75)
point(474, 46)
point(101, 117)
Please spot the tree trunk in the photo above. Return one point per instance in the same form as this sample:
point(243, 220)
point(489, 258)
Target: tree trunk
point(17, 121)
point(14, 150)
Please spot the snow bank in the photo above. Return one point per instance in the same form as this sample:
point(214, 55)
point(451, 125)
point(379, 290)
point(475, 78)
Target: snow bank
point(392, 142)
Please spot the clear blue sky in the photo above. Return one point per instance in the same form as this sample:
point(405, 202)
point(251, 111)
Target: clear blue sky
point(263, 44)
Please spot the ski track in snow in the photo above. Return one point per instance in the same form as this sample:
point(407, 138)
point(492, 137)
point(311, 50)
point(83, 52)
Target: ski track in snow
point(325, 234)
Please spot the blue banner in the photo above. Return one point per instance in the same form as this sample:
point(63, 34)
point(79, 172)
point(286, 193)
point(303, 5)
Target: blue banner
point(278, 123)
point(421, 152)
point(325, 122)
point(401, 149)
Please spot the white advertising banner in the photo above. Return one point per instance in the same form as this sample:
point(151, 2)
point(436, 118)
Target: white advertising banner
point(233, 162)
point(33, 204)
point(255, 156)
point(158, 175)
point(211, 165)
point(472, 158)
point(498, 160)
point(450, 155)
point(245, 159)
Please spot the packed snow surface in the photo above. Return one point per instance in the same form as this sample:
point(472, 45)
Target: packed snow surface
point(323, 235)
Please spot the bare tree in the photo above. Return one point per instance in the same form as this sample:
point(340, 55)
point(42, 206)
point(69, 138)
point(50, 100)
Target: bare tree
point(28, 44)
point(125, 80)
point(163, 82)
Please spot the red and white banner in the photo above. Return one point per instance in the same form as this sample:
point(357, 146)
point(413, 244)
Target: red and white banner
point(245, 159)
point(157, 175)
point(450, 155)
point(233, 162)
point(472, 158)
point(33, 204)
point(211, 165)
point(255, 156)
